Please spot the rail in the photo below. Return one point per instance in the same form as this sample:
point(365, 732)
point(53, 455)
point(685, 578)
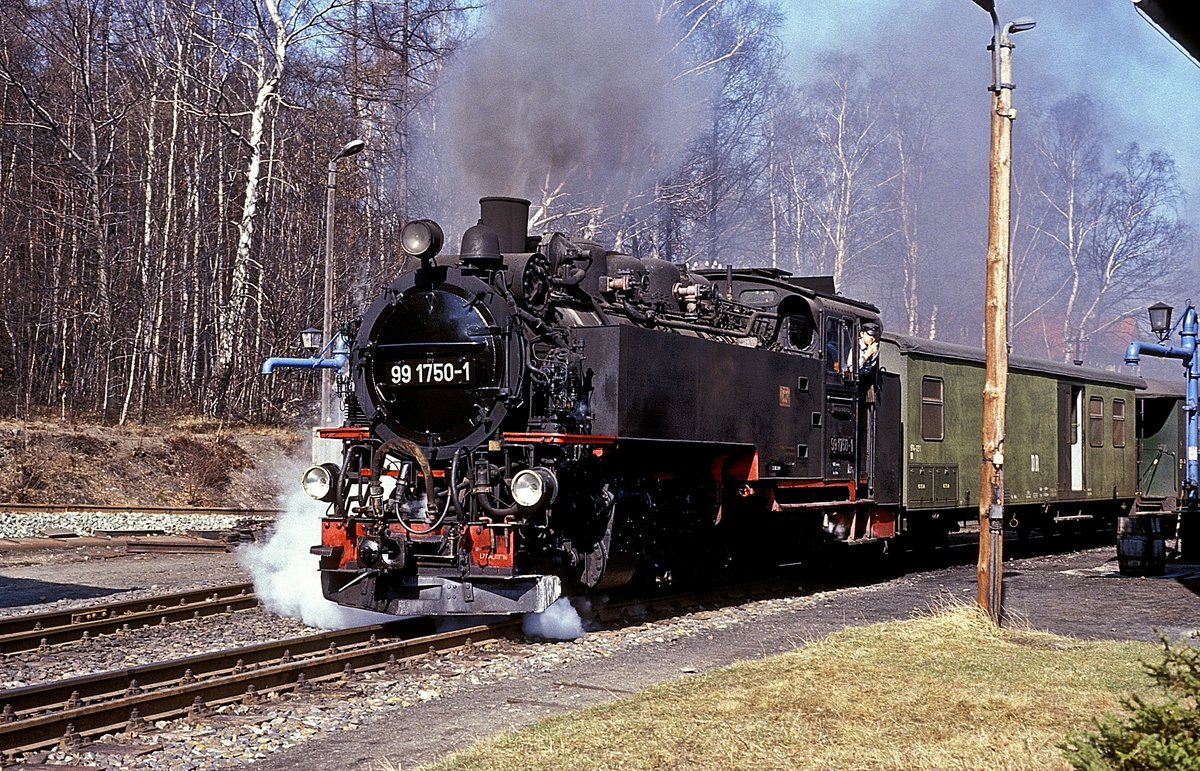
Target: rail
point(35, 630)
point(67, 711)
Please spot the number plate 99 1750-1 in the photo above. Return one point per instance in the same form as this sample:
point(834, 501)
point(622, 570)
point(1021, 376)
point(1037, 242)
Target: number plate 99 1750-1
point(841, 445)
point(430, 373)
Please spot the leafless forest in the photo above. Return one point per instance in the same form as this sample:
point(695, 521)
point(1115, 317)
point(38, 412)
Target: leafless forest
point(162, 180)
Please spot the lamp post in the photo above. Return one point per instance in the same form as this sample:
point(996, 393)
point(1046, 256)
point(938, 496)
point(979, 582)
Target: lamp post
point(352, 147)
point(991, 496)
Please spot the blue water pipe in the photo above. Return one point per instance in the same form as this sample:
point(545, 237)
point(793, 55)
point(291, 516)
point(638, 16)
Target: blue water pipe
point(337, 360)
point(1186, 353)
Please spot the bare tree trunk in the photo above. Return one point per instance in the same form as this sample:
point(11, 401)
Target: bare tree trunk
point(773, 207)
point(278, 34)
point(140, 344)
point(848, 134)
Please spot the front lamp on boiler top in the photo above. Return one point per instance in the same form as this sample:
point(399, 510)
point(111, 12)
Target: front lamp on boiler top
point(422, 239)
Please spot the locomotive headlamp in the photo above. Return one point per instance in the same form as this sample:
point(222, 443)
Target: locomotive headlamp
point(1160, 319)
point(421, 239)
point(320, 482)
point(534, 487)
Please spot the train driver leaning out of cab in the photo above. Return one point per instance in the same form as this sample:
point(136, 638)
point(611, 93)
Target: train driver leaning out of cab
point(868, 347)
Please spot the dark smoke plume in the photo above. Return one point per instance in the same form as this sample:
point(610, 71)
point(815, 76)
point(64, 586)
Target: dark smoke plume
point(578, 103)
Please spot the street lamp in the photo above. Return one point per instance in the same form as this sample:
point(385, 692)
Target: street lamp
point(352, 147)
point(1160, 320)
point(310, 340)
point(991, 498)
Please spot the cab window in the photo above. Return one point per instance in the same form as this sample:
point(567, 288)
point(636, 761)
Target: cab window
point(765, 297)
point(839, 347)
point(800, 331)
point(849, 348)
point(1118, 423)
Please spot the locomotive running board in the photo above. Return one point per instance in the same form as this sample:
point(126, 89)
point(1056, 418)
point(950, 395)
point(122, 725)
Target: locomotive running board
point(777, 506)
point(438, 596)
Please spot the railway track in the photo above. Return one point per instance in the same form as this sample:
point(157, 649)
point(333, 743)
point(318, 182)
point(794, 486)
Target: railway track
point(67, 711)
point(34, 631)
point(71, 711)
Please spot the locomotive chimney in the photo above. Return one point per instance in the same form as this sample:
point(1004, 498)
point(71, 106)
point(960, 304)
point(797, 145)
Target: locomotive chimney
point(509, 217)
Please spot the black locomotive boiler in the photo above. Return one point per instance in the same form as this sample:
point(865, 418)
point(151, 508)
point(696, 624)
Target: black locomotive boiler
point(539, 416)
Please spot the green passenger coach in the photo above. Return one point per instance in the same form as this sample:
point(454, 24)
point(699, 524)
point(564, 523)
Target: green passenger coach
point(1070, 452)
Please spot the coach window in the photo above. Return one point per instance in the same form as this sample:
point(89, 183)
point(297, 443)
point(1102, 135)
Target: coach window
point(1118, 423)
point(1095, 425)
point(933, 409)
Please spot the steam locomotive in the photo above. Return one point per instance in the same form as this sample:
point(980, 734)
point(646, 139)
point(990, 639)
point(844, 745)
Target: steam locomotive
point(540, 416)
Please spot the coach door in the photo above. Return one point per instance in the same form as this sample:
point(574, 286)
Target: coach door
point(1070, 442)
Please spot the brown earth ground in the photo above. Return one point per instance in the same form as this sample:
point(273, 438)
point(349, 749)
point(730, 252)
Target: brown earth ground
point(184, 462)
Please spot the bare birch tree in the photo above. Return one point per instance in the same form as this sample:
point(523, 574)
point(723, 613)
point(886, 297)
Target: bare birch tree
point(911, 134)
point(847, 208)
point(1109, 229)
point(718, 196)
point(263, 33)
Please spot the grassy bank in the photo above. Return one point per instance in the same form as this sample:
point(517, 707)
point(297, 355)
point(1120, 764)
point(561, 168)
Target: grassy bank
point(945, 691)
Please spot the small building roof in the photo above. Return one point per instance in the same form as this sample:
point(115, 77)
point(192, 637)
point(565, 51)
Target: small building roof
point(1174, 18)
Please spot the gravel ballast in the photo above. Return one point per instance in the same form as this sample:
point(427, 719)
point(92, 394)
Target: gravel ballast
point(86, 523)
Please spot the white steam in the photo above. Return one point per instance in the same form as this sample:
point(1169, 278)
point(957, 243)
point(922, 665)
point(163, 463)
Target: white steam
point(560, 621)
point(286, 576)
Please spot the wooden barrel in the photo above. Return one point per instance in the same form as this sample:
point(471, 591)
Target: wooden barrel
point(1141, 548)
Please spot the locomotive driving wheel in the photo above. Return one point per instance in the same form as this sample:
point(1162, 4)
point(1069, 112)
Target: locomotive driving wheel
point(607, 566)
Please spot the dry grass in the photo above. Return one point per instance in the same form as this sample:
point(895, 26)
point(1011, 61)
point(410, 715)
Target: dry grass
point(944, 691)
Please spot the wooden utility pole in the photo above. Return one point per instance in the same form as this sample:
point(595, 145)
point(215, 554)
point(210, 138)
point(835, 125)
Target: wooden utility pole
point(991, 474)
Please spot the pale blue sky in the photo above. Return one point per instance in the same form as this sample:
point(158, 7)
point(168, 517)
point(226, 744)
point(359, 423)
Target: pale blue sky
point(1103, 47)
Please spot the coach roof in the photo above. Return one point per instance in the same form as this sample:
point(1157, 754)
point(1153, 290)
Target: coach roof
point(951, 351)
